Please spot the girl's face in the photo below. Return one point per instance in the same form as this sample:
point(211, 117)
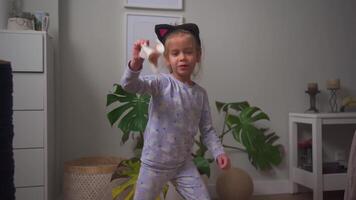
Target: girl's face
point(182, 56)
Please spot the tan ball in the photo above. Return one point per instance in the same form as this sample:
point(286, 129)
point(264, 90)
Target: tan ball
point(234, 184)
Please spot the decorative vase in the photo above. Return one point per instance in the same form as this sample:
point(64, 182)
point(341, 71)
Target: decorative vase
point(234, 184)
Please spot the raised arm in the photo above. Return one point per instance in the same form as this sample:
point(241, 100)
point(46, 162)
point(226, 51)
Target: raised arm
point(131, 80)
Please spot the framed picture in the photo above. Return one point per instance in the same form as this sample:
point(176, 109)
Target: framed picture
point(155, 4)
point(141, 26)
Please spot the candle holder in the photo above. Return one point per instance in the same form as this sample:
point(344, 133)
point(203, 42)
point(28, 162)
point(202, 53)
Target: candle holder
point(312, 96)
point(333, 100)
point(333, 85)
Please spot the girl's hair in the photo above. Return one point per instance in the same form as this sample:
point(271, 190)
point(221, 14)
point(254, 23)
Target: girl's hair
point(181, 32)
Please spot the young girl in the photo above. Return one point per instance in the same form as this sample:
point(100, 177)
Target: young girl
point(178, 108)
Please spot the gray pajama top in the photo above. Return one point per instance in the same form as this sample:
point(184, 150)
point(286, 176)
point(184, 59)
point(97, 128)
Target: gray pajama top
point(176, 112)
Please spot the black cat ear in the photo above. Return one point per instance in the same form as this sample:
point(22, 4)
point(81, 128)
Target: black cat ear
point(192, 28)
point(162, 30)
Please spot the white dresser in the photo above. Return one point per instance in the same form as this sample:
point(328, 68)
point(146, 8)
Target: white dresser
point(31, 56)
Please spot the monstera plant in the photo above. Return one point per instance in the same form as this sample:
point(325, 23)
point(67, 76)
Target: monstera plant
point(130, 113)
point(240, 121)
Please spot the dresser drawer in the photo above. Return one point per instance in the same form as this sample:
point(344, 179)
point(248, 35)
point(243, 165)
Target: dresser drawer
point(29, 167)
point(30, 193)
point(24, 51)
point(28, 129)
point(28, 91)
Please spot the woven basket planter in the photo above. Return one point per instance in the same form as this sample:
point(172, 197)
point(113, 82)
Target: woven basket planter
point(87, 178)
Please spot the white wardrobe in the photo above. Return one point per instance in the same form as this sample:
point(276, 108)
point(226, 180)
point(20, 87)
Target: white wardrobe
point(31, 56)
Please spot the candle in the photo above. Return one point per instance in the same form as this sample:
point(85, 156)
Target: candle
point(333, 84)
point(312, 87)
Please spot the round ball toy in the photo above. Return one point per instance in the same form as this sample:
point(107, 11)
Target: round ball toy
point(234, 184)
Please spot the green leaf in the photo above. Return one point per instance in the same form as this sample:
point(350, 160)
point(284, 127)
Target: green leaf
point(130, 113)
point(220, 106)
point(271, 138)
point(233, 120)
point(202, 149)
point(111, 98)
point(239, 106)
point(115, 114)
point(120, 91)
point(125, 137)
point(247, 113)
point(165, 190)
point(130, 194)
point(121, 188)
point(203, 165)
point(260, 116)
point(129, 171)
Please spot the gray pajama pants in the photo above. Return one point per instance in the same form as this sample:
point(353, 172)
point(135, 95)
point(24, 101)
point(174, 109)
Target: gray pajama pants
point(186, 179)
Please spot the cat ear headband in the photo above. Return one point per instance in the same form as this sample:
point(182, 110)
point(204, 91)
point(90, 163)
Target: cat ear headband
point(163, 30)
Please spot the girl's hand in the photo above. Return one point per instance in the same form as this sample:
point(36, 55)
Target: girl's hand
point(223, 161)
point(136, 60)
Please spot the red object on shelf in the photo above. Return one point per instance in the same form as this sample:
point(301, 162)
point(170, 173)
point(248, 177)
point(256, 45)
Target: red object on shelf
point(305, 144)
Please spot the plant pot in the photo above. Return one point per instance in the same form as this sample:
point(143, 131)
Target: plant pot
point(234, 184)
point(88, 177)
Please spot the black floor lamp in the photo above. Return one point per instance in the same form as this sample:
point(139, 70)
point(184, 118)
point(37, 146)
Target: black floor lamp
point(7, 188)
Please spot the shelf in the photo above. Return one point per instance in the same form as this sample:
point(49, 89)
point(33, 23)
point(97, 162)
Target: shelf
point(22, 31)
point(324, 115)
point(320, 125)
point(331, 182)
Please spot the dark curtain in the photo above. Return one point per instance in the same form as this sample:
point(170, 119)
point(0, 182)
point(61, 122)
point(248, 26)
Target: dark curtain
point(7, 188)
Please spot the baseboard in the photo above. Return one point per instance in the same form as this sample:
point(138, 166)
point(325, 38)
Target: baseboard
point(270, 187)
point(261, 187)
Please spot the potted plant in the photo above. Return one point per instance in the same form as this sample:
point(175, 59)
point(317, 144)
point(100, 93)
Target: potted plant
point(130, 113)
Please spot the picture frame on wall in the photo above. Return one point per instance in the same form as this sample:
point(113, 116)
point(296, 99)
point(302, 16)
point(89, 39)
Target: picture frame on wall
point(141, 26)
point(155, 4)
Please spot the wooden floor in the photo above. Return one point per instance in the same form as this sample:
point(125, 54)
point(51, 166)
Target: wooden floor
point(304, 196)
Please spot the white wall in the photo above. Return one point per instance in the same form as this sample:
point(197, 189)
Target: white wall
point(4, 13)
point(261, 51)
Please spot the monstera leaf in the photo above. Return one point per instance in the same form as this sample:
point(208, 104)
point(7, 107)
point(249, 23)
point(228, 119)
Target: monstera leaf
point(130, 111)
point(260, 147)
point(202, 163)
point(128, 170)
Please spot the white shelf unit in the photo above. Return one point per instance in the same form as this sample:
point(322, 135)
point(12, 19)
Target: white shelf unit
point(315, 179)
point(31, 57)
